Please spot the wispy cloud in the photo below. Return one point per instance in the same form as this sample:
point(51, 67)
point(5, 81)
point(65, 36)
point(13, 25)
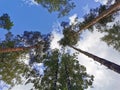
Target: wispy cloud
point(86, 9)
point(105, 1)
point(30, 2)
point(92, 43)
point(105, 79)
point(73, 19)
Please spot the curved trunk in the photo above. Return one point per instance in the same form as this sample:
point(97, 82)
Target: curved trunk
point(105, 62)
point(107, 12)
point(5, 50)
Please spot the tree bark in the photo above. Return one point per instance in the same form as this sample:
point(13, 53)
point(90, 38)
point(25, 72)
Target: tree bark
point(5, 50)
point(56, 76)
point(110, 10)
point(110, 65)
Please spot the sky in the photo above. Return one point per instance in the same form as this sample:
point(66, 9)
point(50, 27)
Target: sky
point(27, 15)
point(105, 79)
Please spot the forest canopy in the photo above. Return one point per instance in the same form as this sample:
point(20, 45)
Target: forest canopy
point(28, 57)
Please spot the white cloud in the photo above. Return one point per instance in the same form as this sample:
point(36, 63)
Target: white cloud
point(105, 1)
point(57, 36)
point(105, 79)
point(73, 19)
point(86, 9)
point(101, 1)
point(30, 2)
point(23, 87)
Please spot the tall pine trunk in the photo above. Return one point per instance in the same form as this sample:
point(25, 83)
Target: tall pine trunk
point(67, 76)
point(105, 62)
point(56, 76)
point(5, 50)
point(113, 8)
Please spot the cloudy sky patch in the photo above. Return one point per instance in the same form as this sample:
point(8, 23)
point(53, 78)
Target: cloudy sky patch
point(105, 79)
point(30, 2)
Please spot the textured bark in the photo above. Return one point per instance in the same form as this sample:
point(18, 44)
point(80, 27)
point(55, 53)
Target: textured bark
point(105, 62)
point(5, 50)
point(107, 12)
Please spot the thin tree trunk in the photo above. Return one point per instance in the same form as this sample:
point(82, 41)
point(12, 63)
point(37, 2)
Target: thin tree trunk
point(110, 10)
point(56, 76)
point(5, 50)
point(67, 77)
point(105, 62)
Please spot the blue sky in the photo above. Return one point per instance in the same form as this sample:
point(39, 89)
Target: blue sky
point(35, 18)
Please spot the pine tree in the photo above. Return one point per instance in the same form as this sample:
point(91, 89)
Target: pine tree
point(103, 11)
point(112, 36)
point(108, 64)
point(10, 67)
point(98, 17)
point(62, 71)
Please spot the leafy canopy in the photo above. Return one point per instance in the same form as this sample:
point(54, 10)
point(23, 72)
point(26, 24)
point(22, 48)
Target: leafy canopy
point(62, 71)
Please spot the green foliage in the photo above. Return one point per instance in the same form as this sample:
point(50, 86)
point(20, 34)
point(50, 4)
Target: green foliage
point(79, 79)
point(93, 14)
point(88, 18)
point(59, 70)
point(35, 38)
point(5, 22)
point(61, 6)
point(51, 72)
point(112, 37)
point(10, 67)
point(71, 37)
point(103, 22)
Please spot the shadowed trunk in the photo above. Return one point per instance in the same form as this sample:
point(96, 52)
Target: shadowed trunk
point(56, 76)
point(105, 62)
point(67, 77)
point(107, 12)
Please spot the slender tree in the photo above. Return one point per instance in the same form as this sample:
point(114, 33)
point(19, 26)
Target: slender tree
point(13, 47)
point(17, 49)
point(110, 65)
point(111, 38)
point(105, 13)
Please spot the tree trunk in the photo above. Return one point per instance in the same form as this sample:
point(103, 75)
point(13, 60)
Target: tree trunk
point(67, 77)
point(105, 62)
point(110, 10)
point(56, 76)
point(5, 50)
